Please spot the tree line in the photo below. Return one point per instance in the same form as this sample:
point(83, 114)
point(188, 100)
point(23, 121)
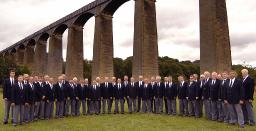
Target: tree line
point(167, 66)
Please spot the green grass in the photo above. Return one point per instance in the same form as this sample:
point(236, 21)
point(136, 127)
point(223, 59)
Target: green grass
point(126, 122)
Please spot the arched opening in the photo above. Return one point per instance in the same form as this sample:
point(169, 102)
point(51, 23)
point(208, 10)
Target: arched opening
point(122, 35)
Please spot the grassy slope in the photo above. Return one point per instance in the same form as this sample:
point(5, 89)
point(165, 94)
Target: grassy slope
point(138, 121)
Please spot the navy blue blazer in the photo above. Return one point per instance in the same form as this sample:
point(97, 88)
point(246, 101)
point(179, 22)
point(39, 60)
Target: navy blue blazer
point(18, 94)
point(132, 91)
point(214, 90)
point(7, 88)
point(248, 88)
point(159, 90)
point(182, 90)
point(191, 91)
point(234, 93)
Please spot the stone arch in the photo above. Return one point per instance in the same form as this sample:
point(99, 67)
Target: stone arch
point(82, 19)
point(60, 29)
point(44, 37)
point(112, 7)
point(31, 42)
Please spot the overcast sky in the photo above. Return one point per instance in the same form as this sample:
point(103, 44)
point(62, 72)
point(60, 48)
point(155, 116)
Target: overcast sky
point(178, 26)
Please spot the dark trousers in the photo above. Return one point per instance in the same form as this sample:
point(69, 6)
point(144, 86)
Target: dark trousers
point(7, 109)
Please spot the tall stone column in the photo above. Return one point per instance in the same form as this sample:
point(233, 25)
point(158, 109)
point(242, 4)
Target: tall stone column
point(29, 56)
point(75, 59)
point(215, 52)
point(102, 65)
point(55, 60)
point(19, 56)
point(40, 57)
point(145, 46)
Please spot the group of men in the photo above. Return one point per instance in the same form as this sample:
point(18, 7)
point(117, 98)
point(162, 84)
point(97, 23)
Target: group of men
point(225, 97)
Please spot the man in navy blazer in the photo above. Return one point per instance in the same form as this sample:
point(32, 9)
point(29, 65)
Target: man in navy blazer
point(158, 94)
point(106, 92)
point(132, 95)
point(182, 94)
point(222, 107)
point(50, 98)
point(119, 95)
point(38, 87)
point(95, 93)
point(60, 98)
point(247, 96)
point(191, 97)
point(213, 97)
point(7, 92)
point(171, 96)
point(234, 100)
point(206, 95)
point(146, 97)
point(139, 85)
point(18, 101)
point(29, 100)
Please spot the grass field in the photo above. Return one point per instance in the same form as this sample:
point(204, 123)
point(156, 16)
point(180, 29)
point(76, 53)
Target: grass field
point(125, 122)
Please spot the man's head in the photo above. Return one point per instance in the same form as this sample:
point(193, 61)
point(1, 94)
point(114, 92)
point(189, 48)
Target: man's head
point(20, 78)
point(132, 79)
point(31, 79)
point(63, 76)
point(60, 79)
point(75, 80)
point(232, 74)
point(158, 79)
point(94, 82)
point(224, 75)
point(113, 79)
point(244, 72)
point(181, 78)
point(202, 77)
point(82, 81)
point(219, 77)
point(214, 75)
point(12, 73)
point(126, 78)
point(207, 74)
point(98, 79)
point(35, 78)
point(51, 80)
point(71, 81)
point(140, 78)
point(191, 78)
point(195, 76)
point(86, 81)
point(106, 79)
point(153, 79)
point(165, 79)
point(146, 80)
point(46, 78)
point(119, 80)
point(170, 78)
point(26, 77)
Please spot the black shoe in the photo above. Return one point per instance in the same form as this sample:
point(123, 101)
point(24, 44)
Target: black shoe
point(5, 122)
